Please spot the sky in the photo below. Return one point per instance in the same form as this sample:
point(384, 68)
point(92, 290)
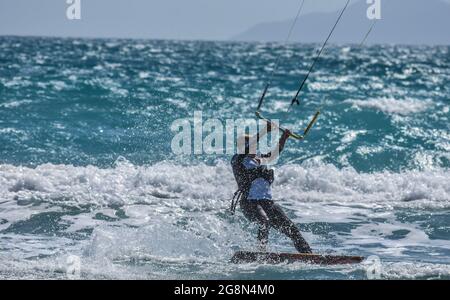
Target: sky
point(410, 22)
point(158, 19)
point(167, 19)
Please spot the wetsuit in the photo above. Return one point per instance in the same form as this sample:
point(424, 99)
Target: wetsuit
point(256, 201)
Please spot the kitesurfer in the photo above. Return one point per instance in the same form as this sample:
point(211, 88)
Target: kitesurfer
point(254, 195)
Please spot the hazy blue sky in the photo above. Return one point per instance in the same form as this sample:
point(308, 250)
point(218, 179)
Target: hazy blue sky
point(173, 19)
point(188, 19)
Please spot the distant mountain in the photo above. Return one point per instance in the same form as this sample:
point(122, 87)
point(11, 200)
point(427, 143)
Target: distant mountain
point(403, 22)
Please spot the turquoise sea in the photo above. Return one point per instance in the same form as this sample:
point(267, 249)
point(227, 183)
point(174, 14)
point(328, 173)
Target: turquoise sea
point(87, 170)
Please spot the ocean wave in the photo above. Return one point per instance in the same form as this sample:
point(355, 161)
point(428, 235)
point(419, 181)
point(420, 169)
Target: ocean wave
point(166, 214)
point(393, 106)
point(366, 186)
point(210, 187)
point(14, 104)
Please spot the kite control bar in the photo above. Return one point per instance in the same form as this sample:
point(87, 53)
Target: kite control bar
point(292, 134)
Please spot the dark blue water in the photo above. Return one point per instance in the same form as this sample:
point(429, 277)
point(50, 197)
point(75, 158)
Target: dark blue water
point(87, 169)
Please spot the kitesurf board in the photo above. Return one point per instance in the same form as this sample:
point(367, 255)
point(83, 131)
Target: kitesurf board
point(276, 258)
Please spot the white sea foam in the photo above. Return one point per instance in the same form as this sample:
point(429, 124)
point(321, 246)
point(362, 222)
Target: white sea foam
point(175, 215)
point(351, 135)
point(211, 186)
point(14, 104)
point(144, 75)
point(392, 106)
point(9, 130)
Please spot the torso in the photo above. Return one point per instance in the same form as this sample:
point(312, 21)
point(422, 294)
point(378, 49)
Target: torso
point(259, 188)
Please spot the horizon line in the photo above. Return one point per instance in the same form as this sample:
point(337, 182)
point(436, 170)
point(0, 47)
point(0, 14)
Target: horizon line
point(369, 43)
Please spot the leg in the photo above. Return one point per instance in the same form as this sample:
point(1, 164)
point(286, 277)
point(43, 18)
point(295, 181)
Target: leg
point(282, 223)
point(263, 231)
point(255, 213)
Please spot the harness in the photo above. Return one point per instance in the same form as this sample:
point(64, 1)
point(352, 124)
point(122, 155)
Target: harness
point(244, 178)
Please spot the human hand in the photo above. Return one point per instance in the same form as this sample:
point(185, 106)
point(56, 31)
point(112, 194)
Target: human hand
point(286, 134)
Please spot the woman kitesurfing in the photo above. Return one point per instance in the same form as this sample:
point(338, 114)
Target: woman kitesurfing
point(254, 194)
point(250, 170)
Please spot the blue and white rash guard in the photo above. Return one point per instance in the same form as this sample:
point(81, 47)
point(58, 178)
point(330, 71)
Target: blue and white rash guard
point(260, 188)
